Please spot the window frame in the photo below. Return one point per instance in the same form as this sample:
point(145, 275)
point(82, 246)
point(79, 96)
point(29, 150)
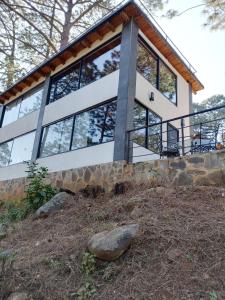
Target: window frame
point(177, 130)
point(13, 139)
point(22, 97)
point(147, 122)
point(145, 44)
point(80, 63)
point(73, 128)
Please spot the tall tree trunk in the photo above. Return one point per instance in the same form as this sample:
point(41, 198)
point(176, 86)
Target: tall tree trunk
point(67, 25)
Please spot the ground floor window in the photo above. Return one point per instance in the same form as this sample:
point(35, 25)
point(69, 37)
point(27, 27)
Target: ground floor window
point(172, 137)
point(17, 150)
point(150, 136)
point(88, 128)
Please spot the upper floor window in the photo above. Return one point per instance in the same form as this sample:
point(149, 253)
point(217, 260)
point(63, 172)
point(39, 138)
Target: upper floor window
point(98, 64)
point(157, 72)
point(22, 106)
point(147, 64)
point(65, 83)
point(167, 83)
point(17, 150)
point(85, 129)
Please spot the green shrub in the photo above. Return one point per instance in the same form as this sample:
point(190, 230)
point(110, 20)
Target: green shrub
point(13, 212)
point(37, 191)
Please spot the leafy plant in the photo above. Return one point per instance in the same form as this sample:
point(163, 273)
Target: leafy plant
point(88, 263)
point(37, 191)
point(86, 291)
point(213, 296)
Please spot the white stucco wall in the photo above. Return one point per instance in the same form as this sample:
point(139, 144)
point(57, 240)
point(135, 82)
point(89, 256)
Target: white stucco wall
point(19, 127)
point(99, 91)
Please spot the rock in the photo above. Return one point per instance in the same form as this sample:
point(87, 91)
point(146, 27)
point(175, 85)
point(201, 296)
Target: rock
point(110, 245)
point(121, 188)
point(56, 203)
point(92, 191)
point(19, 296)
point(3, 231)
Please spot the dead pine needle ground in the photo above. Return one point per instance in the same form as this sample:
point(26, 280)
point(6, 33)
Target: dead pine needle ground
point(178, 255)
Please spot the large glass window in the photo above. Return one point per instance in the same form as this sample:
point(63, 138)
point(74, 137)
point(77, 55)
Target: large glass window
point(102, 62)
point(17, 150)
point(149, 137)
point(167, 82)
point(56, 138)
point(156, 72)
point(5, 152)
point(147, 64)
point(11, 112)
point(31, 103)
point(65, 83)
point(172, 137)
point(23, 106)
point(82, 130)
point(95, 126)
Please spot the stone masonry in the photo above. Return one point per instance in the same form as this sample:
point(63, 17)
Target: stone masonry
point(200, 169)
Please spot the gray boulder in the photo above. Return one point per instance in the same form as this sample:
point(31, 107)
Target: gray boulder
point(19, 296)
point(110, 245)
point(54, 204)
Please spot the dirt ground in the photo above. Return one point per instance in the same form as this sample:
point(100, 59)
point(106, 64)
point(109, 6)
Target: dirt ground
point(179, 253)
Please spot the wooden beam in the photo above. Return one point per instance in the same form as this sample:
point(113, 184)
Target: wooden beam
point(110, 26)
point(86, 43)
point(124, 16)
point(99, 36)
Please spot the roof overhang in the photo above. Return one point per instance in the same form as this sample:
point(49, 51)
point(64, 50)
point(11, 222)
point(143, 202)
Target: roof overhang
point(108, 24)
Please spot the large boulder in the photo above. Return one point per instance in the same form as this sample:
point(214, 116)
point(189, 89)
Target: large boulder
point(19, 296)
point(54, 204)
point(110, 245)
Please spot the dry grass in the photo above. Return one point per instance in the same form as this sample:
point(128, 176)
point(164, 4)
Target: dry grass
point(179, 254)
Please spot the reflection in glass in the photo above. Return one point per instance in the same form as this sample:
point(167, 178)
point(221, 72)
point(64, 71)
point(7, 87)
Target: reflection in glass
point(5, 152)
point(140, 116)
point(95, 126)
point(65, 84)
point(147, 64)
point(101, 63)
point(22, 148)
point(11, 112)
point(172, 137)
point(56, 138)
point(167, 83)
point(31, 103)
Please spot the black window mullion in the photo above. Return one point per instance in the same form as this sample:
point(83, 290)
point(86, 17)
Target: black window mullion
point(146, 130)
point(72, 132)
point(80, 73)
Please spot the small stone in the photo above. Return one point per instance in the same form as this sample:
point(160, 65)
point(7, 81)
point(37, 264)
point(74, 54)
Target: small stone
point(173, 254)
point(54, 204)
point(110, 245)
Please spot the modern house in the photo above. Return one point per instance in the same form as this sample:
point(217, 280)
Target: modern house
point(76, 108)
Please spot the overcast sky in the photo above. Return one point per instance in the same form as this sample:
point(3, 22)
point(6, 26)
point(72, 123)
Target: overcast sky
point(205, 49)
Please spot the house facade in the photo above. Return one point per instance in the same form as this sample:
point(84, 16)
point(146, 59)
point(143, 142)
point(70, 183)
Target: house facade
point(76, 108)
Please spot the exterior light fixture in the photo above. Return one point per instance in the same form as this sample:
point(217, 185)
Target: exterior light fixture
point(152, 96)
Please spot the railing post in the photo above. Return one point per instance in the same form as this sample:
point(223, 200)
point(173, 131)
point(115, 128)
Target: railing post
point(182, 135)
point(200, 142)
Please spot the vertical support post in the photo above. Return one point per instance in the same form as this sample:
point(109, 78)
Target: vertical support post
point(182, 136)
point(200, 144)
point(126, 91)
point(40, 119)
point(1, 114)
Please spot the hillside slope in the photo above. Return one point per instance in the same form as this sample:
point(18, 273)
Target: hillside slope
point(179, 253)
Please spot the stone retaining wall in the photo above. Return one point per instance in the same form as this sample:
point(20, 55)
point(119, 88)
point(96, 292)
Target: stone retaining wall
point(199, 169)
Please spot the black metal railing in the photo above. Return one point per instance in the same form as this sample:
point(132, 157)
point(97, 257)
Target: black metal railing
point(202, 131)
